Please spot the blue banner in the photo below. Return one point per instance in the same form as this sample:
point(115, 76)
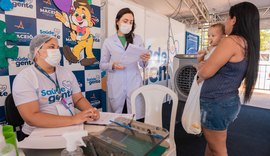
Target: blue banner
point(192, 43)
point(24, 27)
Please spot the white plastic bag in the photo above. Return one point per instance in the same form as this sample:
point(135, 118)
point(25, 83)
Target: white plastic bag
point(191, 118)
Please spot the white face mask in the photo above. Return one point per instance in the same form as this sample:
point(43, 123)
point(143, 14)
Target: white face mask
point(54, 57)
point(125, 28)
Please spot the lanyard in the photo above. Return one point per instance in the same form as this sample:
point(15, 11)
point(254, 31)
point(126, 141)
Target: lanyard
point(58, 90)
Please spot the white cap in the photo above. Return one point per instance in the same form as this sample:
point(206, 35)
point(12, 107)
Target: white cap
point(37, 42)
point(74, 139)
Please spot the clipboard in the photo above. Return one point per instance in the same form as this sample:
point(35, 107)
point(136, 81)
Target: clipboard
point(136, 139)
point(105, 118)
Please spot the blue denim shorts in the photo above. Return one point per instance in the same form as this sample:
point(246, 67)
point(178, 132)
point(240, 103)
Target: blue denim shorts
point(218, 114)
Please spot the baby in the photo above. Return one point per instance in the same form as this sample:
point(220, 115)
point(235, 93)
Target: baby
point(215, 33)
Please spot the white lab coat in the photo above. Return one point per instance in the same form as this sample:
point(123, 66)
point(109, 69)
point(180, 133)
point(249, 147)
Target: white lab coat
point(121, 83)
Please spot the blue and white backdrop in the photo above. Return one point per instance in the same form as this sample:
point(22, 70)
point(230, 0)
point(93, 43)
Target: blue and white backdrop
point(31, 17)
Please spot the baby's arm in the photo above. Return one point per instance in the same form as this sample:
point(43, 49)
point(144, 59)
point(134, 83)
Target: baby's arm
point(200, 55)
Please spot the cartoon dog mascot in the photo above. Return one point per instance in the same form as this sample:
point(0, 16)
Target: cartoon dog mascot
point(80, 32)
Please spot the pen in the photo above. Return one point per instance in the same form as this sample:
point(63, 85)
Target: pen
point(95, 124)
point(128, 127)
point(120, 124)
point(157, 136)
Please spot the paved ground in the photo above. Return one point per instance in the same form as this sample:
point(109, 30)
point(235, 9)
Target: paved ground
point(260, 98)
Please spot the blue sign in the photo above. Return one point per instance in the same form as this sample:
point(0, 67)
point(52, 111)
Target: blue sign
point(24, 27)
point(95, 98)
point(66, 37)
point(192, 43)
point(46, 10)
point(95, 13)
point(80, 78)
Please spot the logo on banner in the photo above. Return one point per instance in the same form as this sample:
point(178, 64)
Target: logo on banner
point(23, 4)
point(55, 32)
point(25, 28)
point(3, 89)
point(22, 33)
point(66, 35)
point(20, 25)
point(47, 2)
point(22, 61)
point(46, 10)
point(94, 80)
point(94, 101)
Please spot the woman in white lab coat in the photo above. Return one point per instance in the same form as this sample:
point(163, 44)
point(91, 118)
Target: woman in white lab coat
point(123, 79)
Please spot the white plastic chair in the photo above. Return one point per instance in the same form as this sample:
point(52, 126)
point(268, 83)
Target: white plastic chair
point(154, 97)
point(171, 80)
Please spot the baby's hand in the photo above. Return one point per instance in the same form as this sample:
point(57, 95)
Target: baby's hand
point(201, 53)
